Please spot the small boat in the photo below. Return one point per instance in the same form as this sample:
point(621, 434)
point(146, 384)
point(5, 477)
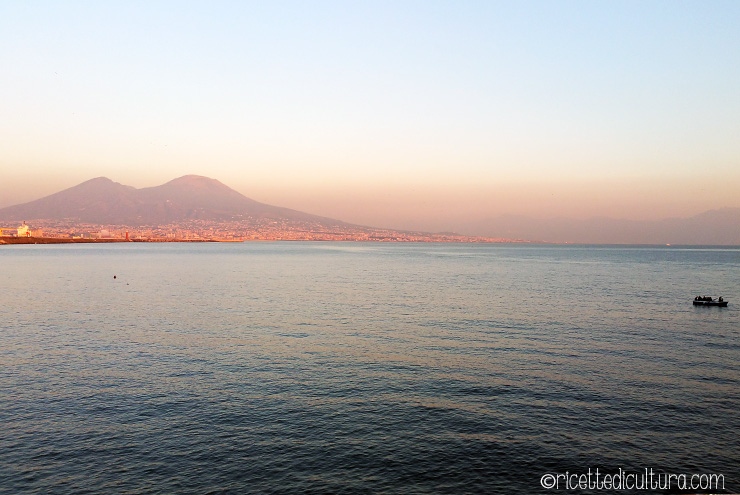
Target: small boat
point(708, 301)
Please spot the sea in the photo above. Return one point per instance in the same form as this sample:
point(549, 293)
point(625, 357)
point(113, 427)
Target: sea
point(367, 368)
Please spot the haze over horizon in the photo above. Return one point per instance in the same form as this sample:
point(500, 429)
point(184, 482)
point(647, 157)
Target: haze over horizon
point(405, 115)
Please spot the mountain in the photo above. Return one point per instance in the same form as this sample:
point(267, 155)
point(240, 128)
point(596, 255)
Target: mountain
point(102, 201)
point(715, 227)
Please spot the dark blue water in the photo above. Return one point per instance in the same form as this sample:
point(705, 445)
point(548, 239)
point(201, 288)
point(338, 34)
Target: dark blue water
point(362, 368)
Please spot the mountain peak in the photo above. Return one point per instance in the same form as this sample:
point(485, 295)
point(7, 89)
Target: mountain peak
point(98, 181)
point(193, 178)
point(195, 183)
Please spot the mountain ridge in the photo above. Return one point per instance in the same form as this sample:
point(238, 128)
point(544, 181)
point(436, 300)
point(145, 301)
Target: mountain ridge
point(190, 197)
point(712, 227)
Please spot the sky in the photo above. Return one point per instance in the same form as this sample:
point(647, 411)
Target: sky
point(403, 114)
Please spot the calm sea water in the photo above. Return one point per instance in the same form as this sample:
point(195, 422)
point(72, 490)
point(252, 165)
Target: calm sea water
point(362, 368)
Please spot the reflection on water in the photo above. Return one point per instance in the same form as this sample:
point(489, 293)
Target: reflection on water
point(332, 367)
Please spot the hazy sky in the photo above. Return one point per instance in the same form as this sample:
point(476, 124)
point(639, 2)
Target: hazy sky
point(400, 113)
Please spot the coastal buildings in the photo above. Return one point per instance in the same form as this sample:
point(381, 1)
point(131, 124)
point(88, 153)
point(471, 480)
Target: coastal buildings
point(257, 229)
point(22, 230)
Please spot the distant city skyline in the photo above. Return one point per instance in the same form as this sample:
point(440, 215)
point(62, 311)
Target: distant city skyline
point(406, 115)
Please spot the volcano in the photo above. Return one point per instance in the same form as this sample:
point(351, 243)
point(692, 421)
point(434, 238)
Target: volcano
point(192, 197)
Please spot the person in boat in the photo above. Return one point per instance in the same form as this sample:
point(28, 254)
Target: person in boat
point(721, 299)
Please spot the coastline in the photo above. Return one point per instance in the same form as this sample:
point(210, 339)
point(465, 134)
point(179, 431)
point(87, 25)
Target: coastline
point(71, 240)
point(67, 240)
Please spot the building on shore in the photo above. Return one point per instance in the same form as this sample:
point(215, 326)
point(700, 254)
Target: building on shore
point(24, 230)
